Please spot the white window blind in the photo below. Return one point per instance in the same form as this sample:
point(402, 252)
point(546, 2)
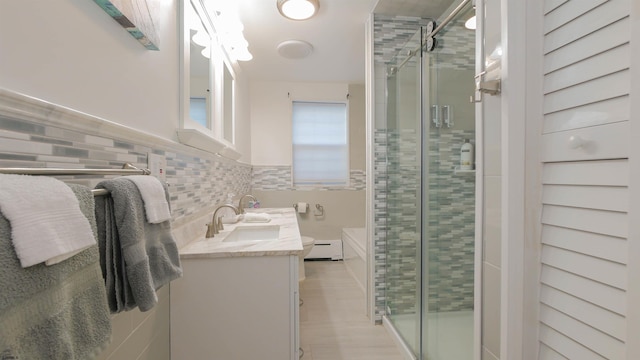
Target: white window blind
point(320, 144)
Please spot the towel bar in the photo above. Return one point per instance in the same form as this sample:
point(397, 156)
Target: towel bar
point(127, 169)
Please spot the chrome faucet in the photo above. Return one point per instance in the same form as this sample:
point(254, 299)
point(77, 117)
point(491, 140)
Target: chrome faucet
point(215, 226)
point(242, 198)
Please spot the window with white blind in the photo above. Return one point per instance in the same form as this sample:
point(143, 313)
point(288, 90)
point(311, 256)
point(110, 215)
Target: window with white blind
point(320, 144)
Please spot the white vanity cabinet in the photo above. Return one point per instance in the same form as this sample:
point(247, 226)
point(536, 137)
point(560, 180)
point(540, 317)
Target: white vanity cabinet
point(236, 308)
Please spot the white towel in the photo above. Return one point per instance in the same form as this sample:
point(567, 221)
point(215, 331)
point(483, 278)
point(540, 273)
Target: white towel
point(46, 222)
point(257, 217)
point(227, 219)
point(156, 206)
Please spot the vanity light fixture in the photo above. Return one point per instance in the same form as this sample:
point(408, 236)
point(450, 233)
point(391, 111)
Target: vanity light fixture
point(298, 9)
point(229, 32)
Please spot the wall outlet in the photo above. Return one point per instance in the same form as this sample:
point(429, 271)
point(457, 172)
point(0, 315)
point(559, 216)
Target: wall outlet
point(157, 164)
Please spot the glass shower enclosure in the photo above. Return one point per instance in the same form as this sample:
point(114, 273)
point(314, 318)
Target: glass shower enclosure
point(430, 197)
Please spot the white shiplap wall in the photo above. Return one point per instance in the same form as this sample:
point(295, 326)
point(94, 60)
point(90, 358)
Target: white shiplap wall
point(585, 178)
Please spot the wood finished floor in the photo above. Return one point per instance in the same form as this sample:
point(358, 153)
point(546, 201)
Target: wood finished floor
point(333, 321)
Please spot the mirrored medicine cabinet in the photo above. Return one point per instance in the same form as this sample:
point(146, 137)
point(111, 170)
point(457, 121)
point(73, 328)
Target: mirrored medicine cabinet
point(207, 85)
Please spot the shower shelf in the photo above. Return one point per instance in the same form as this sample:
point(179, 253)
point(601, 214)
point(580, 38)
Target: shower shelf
point(457, 170)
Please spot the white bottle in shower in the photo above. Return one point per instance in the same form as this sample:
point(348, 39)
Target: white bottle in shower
point(466, 155)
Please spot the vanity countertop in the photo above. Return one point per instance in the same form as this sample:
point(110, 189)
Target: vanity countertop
point(289, 241)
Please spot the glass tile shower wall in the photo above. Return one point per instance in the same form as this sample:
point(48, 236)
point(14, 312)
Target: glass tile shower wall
point(430, 202)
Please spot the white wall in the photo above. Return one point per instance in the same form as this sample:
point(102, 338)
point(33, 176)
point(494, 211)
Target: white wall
point(74, 54)
point(271, 116)
point(243, 118)
point(491, 208)
point(271, 145)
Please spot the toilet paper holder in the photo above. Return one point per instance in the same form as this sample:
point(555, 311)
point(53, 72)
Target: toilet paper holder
point(319, 210)
point(295, 206)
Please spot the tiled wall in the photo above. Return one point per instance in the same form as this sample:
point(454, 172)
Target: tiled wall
point(38, 134)
point(449, 236)
point(380, 227)
point(403, 214)
point(390, 34)
point(278, 178)
point(451, 227)
point(196, 180)
point(456, 49)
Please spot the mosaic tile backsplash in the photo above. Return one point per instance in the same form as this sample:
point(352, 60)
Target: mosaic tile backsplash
point(196, 180)
point(278, 178)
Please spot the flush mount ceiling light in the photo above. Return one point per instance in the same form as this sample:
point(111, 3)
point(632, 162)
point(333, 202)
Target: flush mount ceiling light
point(294, 49)
point(298, 9)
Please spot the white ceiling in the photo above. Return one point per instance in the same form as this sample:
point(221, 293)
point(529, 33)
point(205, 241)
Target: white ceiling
point(421, 8)
point(337, 34)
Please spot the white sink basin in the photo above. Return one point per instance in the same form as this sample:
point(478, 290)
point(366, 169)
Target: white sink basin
point(254, 233)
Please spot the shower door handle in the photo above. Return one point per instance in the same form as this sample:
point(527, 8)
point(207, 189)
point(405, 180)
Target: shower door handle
point(435, 115)
point(447, 115)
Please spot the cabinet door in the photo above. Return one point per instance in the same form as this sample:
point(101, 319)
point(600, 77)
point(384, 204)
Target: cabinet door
point(235, 308)
point(584, 279)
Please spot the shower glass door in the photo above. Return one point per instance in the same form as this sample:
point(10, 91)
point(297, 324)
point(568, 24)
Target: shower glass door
point(404, 194)
point(430, 199)
point(449, 212)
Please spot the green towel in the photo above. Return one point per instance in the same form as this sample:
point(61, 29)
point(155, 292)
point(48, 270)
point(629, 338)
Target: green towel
point(53, 312)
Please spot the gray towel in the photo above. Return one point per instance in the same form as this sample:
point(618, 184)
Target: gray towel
point(53, 312)
point(119, 295)
point(138, 257)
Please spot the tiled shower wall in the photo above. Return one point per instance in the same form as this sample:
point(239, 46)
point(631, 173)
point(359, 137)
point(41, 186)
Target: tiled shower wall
point(403, 212)
point(390, 33)
point(449, 237)
point(451, 195)
point(451, 227)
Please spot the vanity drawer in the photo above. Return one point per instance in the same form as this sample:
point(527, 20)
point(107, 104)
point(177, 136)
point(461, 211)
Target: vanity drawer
point(610, 141)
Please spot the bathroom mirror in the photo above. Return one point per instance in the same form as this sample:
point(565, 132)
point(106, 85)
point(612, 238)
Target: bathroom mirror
point(198, 74)
point(200, 89)
point(207, 88)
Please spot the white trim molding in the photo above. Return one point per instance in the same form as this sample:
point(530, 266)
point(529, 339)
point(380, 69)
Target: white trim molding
point(513, 30)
